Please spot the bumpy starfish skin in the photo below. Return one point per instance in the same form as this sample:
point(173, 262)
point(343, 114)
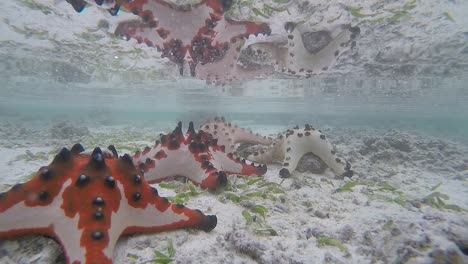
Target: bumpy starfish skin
point(197, 34)
point(294, 143)
point(113, 6)
point(228, 135)
point(298, 59)
point(86, 202)
point(196, 156)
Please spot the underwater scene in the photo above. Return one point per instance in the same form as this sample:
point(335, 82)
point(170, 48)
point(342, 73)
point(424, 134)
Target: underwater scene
point(233, 131)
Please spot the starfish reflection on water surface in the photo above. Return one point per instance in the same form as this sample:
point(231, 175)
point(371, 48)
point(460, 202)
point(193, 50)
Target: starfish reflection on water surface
point(305, 52)
point(227, 69)
point(86, 202)
point(193, 34)
point(113, 6)
point(205, 44)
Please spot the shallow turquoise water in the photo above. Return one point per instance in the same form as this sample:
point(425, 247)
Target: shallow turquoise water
point(439, 108)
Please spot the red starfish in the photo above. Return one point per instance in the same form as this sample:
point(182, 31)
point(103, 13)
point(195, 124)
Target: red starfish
point(196, 34)
point(86, 202)
point(196, 156)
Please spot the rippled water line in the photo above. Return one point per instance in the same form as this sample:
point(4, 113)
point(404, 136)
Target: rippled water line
point(439, 105)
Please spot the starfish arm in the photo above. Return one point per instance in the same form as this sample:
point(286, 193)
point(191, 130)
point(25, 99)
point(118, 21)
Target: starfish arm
point(292, 145)
point(301, 141)
point(18, 217)
point(152, 213)
point(175, 22)
point(299, 60)
point(272, 154)
point(42, 206)
point(151, 219)
point(162, 163)
point(230, 31)
point(228, 135)
point(155, 213)
point(276, 51)
point(296, 59)
point(18, 220)
point(241, 135)
point(196, 156)
point(175, 216)
point(186, 155)
point(87, 201)
point(140, 31)
point(234, 165)
point(24, 210)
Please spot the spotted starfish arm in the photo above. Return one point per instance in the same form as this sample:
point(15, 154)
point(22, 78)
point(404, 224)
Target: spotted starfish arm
point(22, 215)
point(245, 136)
point(154, 215)
point(228, 134)
point(230, 30)
point(302, 142)
point(295, 143)
point(270, 155)
point(300, 60)
point(86, 202)
point(295, 59)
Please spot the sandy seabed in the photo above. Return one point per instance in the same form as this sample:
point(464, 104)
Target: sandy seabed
point(406, 203)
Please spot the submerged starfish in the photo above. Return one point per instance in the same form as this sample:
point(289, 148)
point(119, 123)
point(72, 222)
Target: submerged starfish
point(86, 202)
point(190, 34)
point(295, 143)
point(196, 156)
point(229, 135)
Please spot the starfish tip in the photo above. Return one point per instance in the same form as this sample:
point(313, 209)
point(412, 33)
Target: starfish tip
point(284, 173)
point(222, 179)
point(127, 159)
point(77, 149)
point(97, 159)
point(210, 224)
point(191, 129)
point(262, 169)
point(113, 150)
point(348, 173)
point(63, 156)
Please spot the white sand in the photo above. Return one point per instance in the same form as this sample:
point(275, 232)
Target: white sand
point(371, 227)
